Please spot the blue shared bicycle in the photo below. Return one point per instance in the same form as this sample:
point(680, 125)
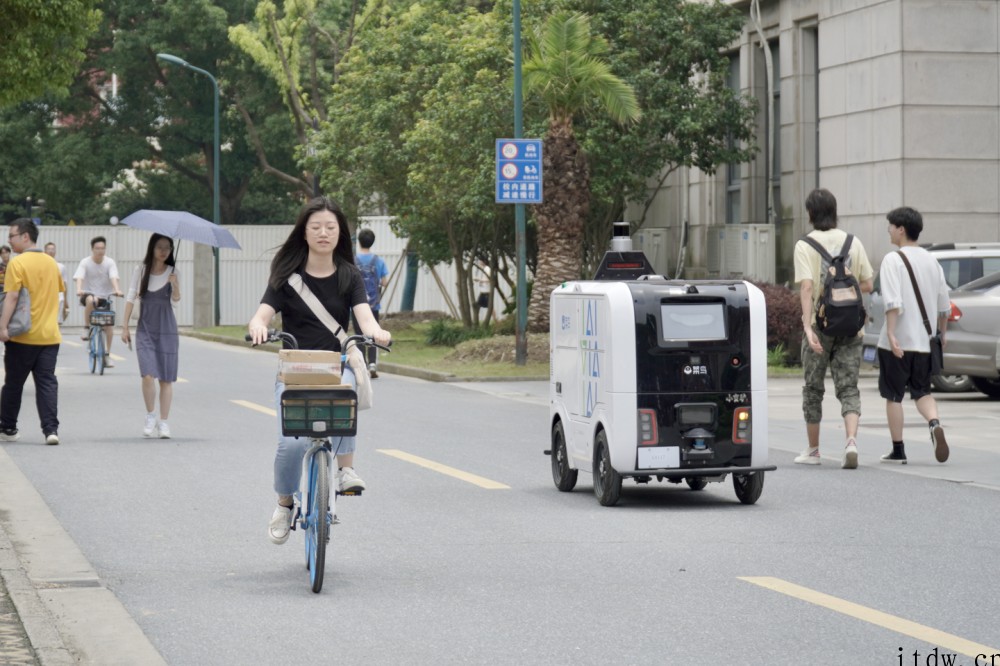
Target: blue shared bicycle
point(323, 414)
point(103, 315)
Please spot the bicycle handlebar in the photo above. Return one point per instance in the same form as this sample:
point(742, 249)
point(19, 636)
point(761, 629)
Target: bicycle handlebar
point(274, 335)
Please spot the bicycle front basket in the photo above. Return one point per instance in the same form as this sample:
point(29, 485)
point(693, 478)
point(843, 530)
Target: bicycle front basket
point(319, 412)
point(102, 318)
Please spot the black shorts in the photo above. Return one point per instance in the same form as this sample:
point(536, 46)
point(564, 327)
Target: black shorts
point(99, 303)
point(896, 374)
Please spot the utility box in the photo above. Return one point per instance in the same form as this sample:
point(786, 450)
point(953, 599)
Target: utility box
point(743, 251)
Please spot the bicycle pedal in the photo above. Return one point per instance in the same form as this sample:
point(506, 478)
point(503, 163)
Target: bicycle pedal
point(350, 493)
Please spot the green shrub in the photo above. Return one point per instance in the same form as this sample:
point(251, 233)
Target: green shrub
point(784, 320)
point(448, 333)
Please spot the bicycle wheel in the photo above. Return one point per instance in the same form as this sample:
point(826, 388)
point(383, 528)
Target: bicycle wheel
point(318, 512)
point(92, 351)
point(100, 350)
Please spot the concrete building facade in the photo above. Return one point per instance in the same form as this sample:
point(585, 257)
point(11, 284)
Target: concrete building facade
point(883, 102)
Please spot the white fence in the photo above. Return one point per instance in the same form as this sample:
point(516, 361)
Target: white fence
point(242, 273)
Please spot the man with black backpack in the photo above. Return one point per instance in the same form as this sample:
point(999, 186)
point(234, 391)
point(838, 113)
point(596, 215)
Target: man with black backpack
point(832, 271)
point(376, 275)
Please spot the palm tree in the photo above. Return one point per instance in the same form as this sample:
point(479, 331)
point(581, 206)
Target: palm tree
point(566, 69)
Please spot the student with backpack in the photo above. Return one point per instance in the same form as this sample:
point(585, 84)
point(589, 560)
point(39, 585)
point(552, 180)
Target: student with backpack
point(375, 275)
point(832, 271)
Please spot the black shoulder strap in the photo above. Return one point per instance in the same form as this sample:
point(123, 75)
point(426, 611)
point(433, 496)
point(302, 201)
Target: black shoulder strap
point(847, 246)
point(819, 248)
point(916, 291)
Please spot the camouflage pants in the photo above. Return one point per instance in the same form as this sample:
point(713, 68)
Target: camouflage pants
point(843, 357)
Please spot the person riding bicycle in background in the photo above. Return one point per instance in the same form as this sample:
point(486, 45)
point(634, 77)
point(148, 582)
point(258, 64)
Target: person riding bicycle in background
point(319, 250)
point(96, 281)
point(154, 284)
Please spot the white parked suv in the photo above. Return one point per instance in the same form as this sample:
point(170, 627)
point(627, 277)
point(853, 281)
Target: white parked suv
point(962, 263)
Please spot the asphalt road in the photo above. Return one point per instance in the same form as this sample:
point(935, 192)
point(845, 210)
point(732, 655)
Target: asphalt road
point(829, 567)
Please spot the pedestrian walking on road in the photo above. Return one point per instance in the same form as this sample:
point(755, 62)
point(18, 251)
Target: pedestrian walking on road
point(155, 285)
point(319, 250)
point(35, 351)
point(842, 354)
point(50, 249)
point(904, 358)
point(96, 281)
point(376, 275)
point(4, 260)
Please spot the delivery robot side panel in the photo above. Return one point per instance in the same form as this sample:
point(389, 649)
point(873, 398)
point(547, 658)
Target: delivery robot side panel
point(586, 318)
point(758, 327)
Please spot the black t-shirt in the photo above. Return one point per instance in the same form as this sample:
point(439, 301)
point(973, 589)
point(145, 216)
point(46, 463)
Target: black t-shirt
point(298, 319)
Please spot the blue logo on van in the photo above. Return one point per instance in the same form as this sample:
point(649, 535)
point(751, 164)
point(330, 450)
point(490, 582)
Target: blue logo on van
point(590, 348)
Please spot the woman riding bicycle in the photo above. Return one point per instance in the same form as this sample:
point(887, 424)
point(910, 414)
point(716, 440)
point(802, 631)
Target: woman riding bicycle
point(319, 250)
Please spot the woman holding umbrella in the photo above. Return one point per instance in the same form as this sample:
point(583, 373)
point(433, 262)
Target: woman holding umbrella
point(154, 283)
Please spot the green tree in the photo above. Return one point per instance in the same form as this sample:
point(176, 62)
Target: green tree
point(566, 68)
point(299, 46)
point(673, 54)
point(421, 98)
point(41, 45)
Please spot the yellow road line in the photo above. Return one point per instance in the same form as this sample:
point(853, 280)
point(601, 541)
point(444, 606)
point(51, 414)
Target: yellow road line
point(254, 406)
point(444, 469)
point(891, 622)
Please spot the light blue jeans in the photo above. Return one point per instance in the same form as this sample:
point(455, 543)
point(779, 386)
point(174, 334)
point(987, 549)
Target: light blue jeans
point(291, 450)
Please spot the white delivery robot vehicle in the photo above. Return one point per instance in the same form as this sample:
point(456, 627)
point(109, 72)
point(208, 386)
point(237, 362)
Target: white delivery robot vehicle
point(657, 378)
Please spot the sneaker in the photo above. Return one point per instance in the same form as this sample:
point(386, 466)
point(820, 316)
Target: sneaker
point(894, 457)
point(107, 361)
point(348, 480)
point(163, 430)
point(86, 335)
point(52, 439)
point(808, 457)
point(850, 455)
point(9, 435)
point(150, 427)
point(940, 444)
point(280, 525)
point(371, 371)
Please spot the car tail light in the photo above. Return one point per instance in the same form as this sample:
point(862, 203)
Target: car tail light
point(956, 314)
point(648, 433)
point(741, 425)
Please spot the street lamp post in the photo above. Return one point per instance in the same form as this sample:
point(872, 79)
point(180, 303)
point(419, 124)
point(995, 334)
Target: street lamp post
point(215, 165)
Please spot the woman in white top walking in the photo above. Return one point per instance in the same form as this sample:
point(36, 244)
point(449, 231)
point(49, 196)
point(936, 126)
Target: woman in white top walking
point(155, 284)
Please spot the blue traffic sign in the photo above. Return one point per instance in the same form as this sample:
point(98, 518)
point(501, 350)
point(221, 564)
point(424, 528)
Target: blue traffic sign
point(519, 171)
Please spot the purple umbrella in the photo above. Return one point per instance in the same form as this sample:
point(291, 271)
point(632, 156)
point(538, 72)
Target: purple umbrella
point(182, 225)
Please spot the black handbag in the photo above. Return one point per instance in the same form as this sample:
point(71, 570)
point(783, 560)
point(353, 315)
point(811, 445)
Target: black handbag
point(937, 346)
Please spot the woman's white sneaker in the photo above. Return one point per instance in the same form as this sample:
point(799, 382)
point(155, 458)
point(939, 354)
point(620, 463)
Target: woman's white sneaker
point(163, 430)
point(150, 427)
point(280, 525)
point(348, 480)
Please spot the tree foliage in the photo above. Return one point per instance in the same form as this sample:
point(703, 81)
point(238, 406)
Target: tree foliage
point(567, 70)
point(422, 96)
point(299, 46)
point(41, 45)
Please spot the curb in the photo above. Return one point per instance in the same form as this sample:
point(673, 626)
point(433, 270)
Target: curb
point(39, 625)
point(391, 368)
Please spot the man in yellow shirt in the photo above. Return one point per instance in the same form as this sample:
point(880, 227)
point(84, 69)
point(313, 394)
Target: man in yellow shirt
point(33, 352)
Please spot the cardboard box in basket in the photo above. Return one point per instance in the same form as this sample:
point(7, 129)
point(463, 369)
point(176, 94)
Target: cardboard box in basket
point(307, 367)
